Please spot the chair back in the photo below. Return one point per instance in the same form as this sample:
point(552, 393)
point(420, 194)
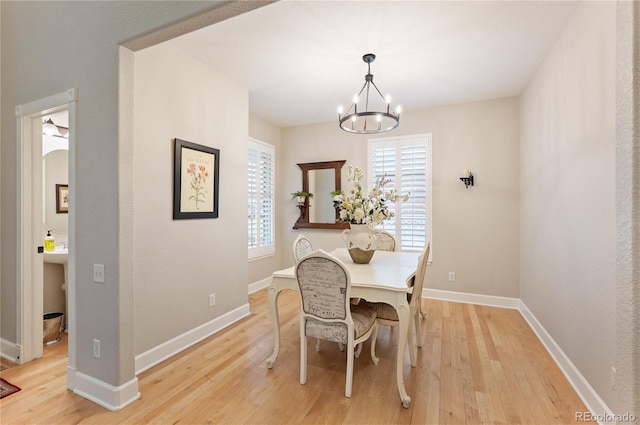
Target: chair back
point(301, 247)
point(420, 274)
point(325, 285)
point(386, 241)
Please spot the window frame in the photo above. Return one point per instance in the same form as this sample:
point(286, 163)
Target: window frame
point(424, 139)
point(261, 251)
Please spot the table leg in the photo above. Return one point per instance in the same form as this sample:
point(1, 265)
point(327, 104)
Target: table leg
point(403, 318)
point(272, 300)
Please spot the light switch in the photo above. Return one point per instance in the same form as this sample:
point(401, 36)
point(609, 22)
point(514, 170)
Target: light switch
point(98, 273)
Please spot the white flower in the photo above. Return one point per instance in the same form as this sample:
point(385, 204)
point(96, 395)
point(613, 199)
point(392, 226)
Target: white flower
point(378, 217)
point(358, 214)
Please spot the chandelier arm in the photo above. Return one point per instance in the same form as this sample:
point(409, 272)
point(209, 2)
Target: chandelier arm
point(378, 90)
point(366, 103)
point(353, 105)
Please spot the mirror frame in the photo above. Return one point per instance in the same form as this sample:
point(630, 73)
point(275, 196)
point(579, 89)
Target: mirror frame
point(303, 220)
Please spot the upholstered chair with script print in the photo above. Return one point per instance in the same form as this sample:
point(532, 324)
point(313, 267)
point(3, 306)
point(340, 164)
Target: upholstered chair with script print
point(385, 242)
point(301, 247)
point(327, 313)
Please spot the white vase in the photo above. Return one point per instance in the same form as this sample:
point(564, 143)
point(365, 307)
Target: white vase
point(360, 236)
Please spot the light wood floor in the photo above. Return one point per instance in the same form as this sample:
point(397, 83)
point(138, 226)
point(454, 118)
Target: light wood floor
point(478, 365)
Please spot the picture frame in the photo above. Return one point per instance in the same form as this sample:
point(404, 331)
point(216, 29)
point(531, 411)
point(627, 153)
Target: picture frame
point(196, 174)
point(62, 198)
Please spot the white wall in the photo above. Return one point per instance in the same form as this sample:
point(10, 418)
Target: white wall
point(178, 263)
point(567, 228)
point(475, 229)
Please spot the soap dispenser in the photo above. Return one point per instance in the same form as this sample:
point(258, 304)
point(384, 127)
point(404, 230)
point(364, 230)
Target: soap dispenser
point(49, 242)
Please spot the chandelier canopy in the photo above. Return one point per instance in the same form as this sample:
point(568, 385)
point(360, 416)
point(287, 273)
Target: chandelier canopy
point(375, 114)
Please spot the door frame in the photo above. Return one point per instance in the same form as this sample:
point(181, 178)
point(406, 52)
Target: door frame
point(29, 218)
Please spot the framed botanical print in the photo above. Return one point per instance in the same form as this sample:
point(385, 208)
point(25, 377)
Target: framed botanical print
point(62, 199)
point(195, 180)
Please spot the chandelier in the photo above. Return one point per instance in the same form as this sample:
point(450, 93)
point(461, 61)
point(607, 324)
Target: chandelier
point(375, 115)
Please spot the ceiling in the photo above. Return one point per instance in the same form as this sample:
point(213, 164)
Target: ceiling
point(301, 59)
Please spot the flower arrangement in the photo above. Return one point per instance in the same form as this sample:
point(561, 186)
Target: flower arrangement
point(356, 208)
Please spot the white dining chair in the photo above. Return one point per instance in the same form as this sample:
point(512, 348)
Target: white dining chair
point(327, 313)
point(386, 241)
point(301, 247)
point(387, 315)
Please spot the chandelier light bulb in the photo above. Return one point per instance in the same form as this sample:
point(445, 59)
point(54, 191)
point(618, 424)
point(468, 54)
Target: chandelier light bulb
point(340, 109)
point(378, 118)
point(387, 99)
point(353, 118)
point(355, 98)
point(398, 109)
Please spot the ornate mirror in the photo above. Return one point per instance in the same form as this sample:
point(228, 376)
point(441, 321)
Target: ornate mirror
point(320, 179)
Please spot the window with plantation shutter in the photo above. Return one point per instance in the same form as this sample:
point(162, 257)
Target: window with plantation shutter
point(261, 199)
point(407, 162)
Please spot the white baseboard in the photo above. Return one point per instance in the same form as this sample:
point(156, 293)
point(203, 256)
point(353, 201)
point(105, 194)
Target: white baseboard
point(106, 395)
point(10, 351)
point(169, 348)
point(467, 298)
point(261, 284)
point(585, 391)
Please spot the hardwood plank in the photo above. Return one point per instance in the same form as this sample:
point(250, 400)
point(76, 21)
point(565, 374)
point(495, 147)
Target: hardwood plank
point(477, 365)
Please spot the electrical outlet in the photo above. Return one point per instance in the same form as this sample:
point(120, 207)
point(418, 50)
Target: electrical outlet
point(212, 300)
point(613, 378)
point(98, 273)
point(452, 276)
point(96, 348)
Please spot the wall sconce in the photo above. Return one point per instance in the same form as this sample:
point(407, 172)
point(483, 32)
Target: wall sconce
point(467, 178)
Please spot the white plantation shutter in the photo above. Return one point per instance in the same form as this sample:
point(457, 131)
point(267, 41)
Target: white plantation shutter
point(407, 162)
point(261, 199)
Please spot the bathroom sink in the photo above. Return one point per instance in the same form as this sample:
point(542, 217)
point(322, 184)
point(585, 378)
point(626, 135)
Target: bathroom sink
point(59, 256)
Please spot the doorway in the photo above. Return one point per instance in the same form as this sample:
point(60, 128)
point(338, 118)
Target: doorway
point(30, 212)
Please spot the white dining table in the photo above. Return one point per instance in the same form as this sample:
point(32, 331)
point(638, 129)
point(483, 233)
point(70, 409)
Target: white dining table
point(382, 280)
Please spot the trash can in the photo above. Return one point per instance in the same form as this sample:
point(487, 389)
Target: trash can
point(52, 327)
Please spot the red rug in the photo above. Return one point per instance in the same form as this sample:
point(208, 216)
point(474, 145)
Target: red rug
point(7, 388)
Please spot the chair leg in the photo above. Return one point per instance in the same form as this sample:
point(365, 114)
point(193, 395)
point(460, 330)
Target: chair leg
point(374, 338)
point(358, 350)
point(318, 345)
point(350, 356)
point(341, 347)
point(423, 312)
point(418, 329)
point(411, 345)
point(303, 354)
